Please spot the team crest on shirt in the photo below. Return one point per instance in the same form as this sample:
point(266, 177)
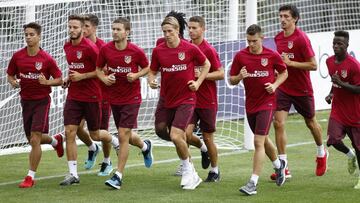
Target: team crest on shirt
point(264, 61)
point(290, 44)
point(181, 55)
point(343, 73)
point(127, 59)
point(38, 65)
point(79, 54)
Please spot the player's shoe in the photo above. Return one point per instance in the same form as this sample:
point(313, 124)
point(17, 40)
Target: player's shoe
point(90, 162)
point(187, 176)
point(205, 160)
point(249, 188)
point(70, 180)
point(213, 177)
point(357, 186)
point(321, 164)
point(195, 181)
point(352, 165)
point(280, 173)
point(148, 156)
point(59, 148)
point(105, 169)
point(179, 171)
point(287, 175)
point(114, 182)
point(27, 182)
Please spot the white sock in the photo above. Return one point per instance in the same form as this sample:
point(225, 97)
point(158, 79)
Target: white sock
point(119, 174)
point(276, 163)
point(203, 148)
point(114, 141)
point(145, 147)
point(92, 147)
point(31, 174)
point(350, 154)
point(73, 168)
point(283, 157)
point(254, 178)
point(107, 160)
point(54, 142)
point(186, 163)
point(215, 169)
point(320, 151)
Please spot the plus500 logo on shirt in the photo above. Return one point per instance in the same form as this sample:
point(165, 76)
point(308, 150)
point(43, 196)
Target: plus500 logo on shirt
point(175, 68)
point(259, 74)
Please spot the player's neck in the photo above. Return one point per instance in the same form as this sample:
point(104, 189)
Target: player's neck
point(258, 51)
point(340, 58)
point(174, 43)
point(289, 31)
point(33, 50)
point(76, 41)
point(121, 45)
point(92, 38)
point(198, 41)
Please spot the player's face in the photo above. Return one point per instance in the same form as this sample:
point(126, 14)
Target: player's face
point(170, 33)
point(32, 38)
point(339, 46)
point(89, 29)
point(118, 32)
point(195, 30)
point(75, 29)
point(286, 19)
point(254, 42)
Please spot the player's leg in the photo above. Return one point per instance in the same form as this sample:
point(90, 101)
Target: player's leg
point(354, 135)
point(162, 129)
point(145, 146)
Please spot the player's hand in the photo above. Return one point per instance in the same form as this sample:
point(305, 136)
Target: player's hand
point(66, 83)
point(336, 79)
point(15, 83)
point(286, 59)
point(131, 77)
point(42, 79)
point(75, 76)
point(154, 84)
point(193, 85)
point(243, 73)
point(270, 88)
point(109, 80)
point(328, 98)
point(197, 72)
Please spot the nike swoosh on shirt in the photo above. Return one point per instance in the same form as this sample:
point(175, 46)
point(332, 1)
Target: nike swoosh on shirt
point(5, 101)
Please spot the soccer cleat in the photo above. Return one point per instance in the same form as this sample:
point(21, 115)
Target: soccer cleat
point(114, 182)
point(287, 175)
point(205, 160)
point(213, 177)
point(179, 170)
point(249, 188)
point(70, 180)
point(148, 156)
point(352, 165)
point(27, 182)
point(59, 148)
point(195, 181)
point(321, 164)
point(90, 162)
point(280, 173)
point(105, 169)
point(357, 186)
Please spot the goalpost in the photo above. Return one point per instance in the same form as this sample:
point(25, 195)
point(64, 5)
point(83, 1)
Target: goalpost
point(226, 21)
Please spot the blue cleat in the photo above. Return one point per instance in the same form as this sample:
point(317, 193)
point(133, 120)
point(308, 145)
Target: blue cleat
point(148, 156)
point(114, 182)
point(105, 169)
point(90, 162)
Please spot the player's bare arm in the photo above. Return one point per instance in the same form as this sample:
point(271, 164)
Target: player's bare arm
point(107, 80)
point(310, 65)
point(216, 75)
point(194, 85)
point(271, 87)
point(134, 76)
point(12, 81)
point(234, 80)
point(152, 80)
point(352, 88)
point(50, 82)
point(76, 76)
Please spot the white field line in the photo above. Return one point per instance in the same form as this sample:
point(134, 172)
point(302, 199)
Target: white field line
point(155, 162)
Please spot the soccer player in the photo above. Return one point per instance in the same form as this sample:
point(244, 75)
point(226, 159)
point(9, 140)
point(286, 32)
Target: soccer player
point(123, 60)
point(30, 68)
point(257, 66)
point(84, 94)
point(295, 48)
point(175, 58)
point(206, 100)
point(345, 95)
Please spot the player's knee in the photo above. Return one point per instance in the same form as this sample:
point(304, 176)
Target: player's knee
point(278, 124)
point(312, 123)
point(163, 133)
point(35, 139)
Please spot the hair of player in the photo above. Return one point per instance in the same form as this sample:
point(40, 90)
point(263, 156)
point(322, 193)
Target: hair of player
point(294, 11)
point(93, 19)
point(76, 17)
point(253, 30)
point(198, 19)
point(171, 21)
point(124, 21)
point(180, 17)
point(342, 33)
point(33, 25)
